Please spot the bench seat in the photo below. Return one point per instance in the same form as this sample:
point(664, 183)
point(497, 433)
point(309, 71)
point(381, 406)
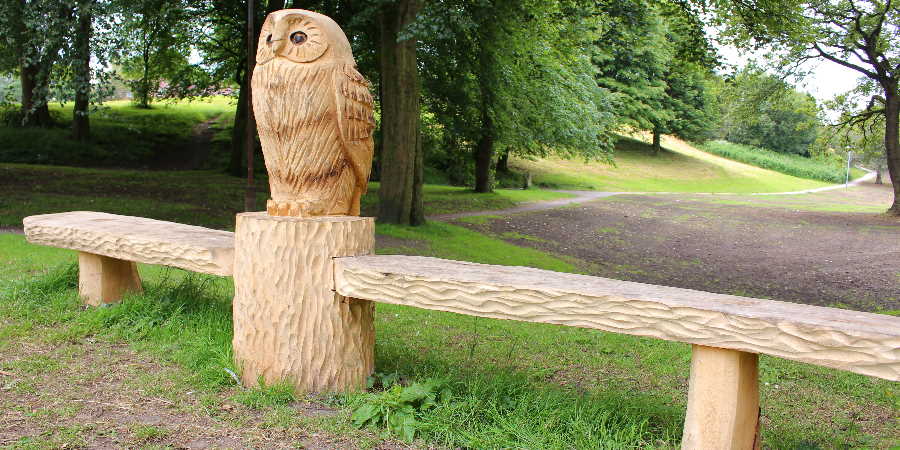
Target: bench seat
point(136, 239)
point(110, 244)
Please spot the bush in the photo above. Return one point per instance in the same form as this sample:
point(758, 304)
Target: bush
point(799, 166)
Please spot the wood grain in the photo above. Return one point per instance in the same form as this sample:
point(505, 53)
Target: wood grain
point(849, 340)
point(103, 280)
point(136, 239)
point(723, 400)
point(288, 322)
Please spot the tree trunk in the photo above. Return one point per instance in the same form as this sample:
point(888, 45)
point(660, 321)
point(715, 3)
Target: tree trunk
point(484, 156)
point(236, 159)
point(401, 168)
point(81, 129)
point(484, 149)
point(879, 179)
point(35, 112)
point(892, 141)
point(503, 161)
point(657, 140)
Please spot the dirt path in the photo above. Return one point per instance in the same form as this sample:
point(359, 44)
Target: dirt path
point(193, 154)
point(586, 196)
point(754, 248)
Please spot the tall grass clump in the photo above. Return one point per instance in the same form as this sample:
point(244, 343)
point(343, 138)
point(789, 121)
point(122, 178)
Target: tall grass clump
point(790, 164)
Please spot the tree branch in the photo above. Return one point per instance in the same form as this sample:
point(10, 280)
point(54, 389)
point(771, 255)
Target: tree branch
point(846, 64)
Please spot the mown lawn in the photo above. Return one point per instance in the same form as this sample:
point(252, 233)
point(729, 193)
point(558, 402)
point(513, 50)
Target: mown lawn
point(680, 167)
point(509, 384)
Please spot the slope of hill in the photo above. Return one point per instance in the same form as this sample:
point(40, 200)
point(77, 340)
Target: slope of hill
point(680, 167)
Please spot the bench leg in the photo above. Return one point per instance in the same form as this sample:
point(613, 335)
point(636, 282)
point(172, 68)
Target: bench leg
point(102, 279)
point(723, 400)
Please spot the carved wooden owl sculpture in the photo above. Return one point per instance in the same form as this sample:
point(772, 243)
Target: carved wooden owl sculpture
point(314, 114)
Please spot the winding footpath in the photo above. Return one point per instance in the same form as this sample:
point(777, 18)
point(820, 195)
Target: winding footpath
point(586, 196)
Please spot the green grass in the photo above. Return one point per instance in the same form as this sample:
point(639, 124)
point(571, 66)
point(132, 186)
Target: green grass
point(788, 164)
point(511, 384)
point(678, 168)
point(204, 198)
point(122, 135)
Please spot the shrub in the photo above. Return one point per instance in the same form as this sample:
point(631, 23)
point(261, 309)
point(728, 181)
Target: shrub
point(799, 166)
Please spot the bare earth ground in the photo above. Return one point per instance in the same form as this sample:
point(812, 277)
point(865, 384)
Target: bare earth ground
point(103, 395)
point(761, 246)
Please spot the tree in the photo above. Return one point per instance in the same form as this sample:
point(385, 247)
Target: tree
point(154, 43)
point(763, 110)
point(632, 55)
point(656, 59)
point(856, 131)
point(513, 75)
point(401, 159)
point(35, 32)
point(856, 34)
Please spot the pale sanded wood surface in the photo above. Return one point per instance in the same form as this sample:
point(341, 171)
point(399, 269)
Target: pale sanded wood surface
point(723, 400)
point(859, 342)
point(288, 322)
point(102, 279)
point(136, 239)
point(314, 114)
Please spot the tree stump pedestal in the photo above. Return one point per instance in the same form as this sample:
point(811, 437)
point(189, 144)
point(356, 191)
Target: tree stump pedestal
point(289, 323)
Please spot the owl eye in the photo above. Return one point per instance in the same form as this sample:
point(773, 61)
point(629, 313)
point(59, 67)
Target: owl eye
point(298, 37)
point(269, 39)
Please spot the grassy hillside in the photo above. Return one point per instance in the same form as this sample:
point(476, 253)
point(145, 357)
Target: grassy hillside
point(785, 163)
point(122, 135)
point(680, 167)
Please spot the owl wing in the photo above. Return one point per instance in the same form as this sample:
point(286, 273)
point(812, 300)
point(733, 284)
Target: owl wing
point(355, 121)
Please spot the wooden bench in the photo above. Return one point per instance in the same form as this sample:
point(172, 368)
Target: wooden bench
point(302, 308)
point(727, 332)
point(109, 245)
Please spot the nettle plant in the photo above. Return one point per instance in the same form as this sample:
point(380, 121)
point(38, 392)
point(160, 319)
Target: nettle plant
point(399, 408)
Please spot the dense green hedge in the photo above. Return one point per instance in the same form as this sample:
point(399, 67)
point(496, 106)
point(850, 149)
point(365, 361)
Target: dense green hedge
point(796, 165)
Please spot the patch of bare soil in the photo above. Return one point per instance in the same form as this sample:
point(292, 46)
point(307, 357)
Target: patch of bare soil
point(193, 154)
point(100, 395)
point(820, 258)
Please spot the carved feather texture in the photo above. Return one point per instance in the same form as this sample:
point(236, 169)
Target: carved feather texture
point(357, 123)
point(301, 129)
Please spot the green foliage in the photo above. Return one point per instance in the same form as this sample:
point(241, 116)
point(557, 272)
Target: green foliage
point(655, 59)
point(153, 44)
point(398, 408)
point(799, 166)
point(762, 110)
point(511, 75)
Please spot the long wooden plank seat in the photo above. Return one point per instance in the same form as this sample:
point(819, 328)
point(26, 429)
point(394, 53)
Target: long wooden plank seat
point(854, 341)
point(109, 245)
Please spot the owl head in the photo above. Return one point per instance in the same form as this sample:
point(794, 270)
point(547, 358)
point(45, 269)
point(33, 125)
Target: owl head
point(301, 36)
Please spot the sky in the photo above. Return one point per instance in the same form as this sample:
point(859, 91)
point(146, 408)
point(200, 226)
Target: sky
point(826, 79)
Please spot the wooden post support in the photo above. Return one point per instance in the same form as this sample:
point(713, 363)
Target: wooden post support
point(289, 324)
point(723, 400)
point(102, 279)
